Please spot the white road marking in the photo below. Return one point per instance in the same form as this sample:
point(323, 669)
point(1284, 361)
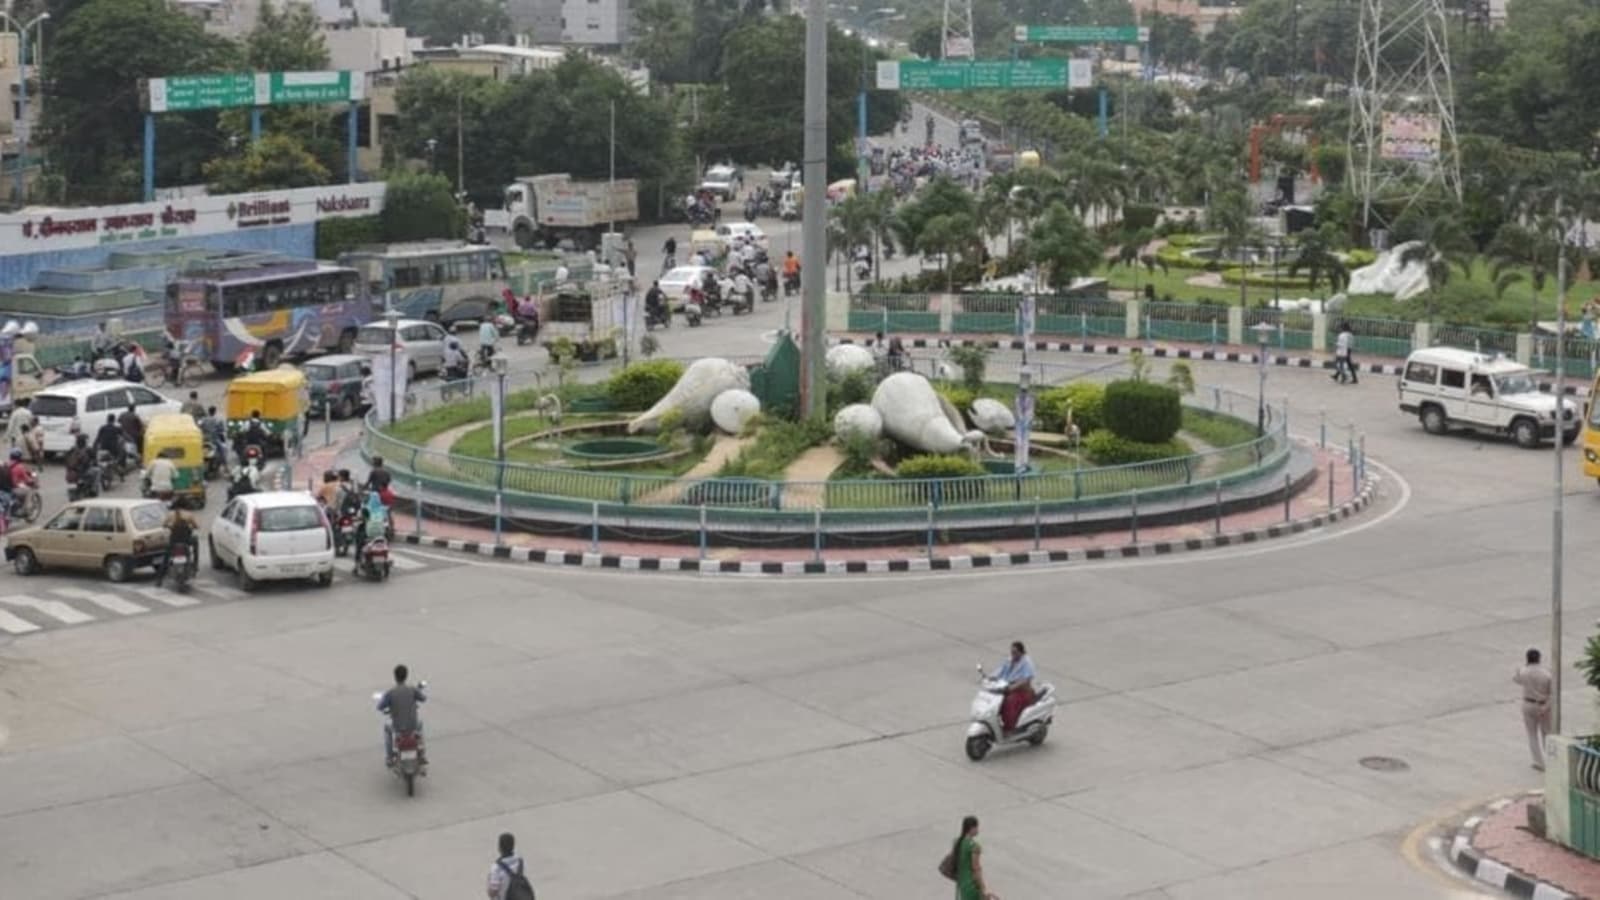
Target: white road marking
point(405, 563)
point(162, 595)
point(55, 609)
point(107, 602)
point(11, 623)
point(220, 591)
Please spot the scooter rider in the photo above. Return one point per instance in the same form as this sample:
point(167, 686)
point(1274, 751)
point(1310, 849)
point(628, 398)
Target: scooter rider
point(744, 290)
point(455, 359)
point(400, 704)
point(655, 303)
point(488, 337)
point(109, 439)
point(1017, 672)
point(80, 464)
point(253, 435)
point(215, 434)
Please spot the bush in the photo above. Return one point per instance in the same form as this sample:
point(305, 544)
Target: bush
point(1142, 411)
point(932, 465)
point(640, 385)
point(959, 395)
point(336, 236)
point(1107, 449)
point(973, 362)
point(1136, 216)
point(775, 447)
point(856, 387)
point(1088, 401)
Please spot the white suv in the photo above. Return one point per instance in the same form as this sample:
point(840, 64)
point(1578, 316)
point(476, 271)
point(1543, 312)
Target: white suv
point(273, 536)
point(1450, 388)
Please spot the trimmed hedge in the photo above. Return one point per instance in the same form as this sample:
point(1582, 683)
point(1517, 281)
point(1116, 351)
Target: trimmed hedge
point(640, 385)
point(1088, 401)
point(1256, 278)
point(1107, 449)
point(1143, 411)
point(932, 465)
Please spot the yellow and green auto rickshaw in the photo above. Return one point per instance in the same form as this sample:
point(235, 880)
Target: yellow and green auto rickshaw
point(280, 397)
point(176, 437)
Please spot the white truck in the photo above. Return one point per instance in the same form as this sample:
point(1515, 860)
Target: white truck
point(544, 210)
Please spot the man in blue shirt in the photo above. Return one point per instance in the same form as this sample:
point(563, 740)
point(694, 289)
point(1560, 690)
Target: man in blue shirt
point(488, 336)
point(1017, 673)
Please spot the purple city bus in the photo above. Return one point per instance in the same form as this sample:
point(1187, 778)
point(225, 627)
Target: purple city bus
point(268, 312)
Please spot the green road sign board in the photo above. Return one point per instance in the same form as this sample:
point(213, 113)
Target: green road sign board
point(977, 75)
point(1083, 34)
point(184, 93)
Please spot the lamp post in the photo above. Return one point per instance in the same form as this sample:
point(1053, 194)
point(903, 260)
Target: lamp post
point(433, 149)
point(1277, 254)
point(22, 90)
point(392, 315)
point(1024, 419)
point(1263, 332)
point(498, 364)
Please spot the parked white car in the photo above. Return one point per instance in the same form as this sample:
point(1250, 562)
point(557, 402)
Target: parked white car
point(1447, 388)
point(86, 404)
point(273, 536)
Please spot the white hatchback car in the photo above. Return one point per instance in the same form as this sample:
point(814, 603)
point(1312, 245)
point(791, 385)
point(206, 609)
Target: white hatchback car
point(273, 536)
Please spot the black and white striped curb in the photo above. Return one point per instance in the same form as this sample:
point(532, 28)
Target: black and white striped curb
point(678, 564)
point(1168, 351)
point(1498, 875)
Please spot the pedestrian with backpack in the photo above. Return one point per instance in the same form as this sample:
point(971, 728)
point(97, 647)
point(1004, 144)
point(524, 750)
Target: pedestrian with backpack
point(506, 878)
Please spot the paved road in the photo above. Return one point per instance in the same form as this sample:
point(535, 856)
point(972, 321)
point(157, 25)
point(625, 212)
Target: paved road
point(708, 738)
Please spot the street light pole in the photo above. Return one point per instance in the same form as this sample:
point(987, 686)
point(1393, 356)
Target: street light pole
point(1263, 334)
point(21, 128)
point(393, 317)
point(1558, 512)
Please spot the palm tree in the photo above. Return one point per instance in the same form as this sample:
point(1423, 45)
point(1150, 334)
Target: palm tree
point(1440, 245)
point(880, 221)
point(1230, 217)
point(850, 224)
point(1317, 259)
point(944, 236)
point(1514, 249)
point(1062, 247)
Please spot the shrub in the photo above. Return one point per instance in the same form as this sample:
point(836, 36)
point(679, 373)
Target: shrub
point(959, 395)
point(973, 361)
point(1142, 411)
point(335, 236)
point(640, 385)
point(859, 451)
point(1107, 449)
point(1136, 216)
point(1088, 401)
point(932, 465)
point(855, 387)
point(775, 447)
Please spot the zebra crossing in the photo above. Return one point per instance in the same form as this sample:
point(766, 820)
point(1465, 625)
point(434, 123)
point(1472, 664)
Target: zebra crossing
point(46, 608)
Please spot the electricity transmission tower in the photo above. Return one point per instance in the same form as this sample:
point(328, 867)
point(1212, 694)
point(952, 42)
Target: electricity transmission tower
point(1402, 109)
point(957, 33)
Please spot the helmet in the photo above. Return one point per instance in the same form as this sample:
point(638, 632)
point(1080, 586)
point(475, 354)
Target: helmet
point(16, 453)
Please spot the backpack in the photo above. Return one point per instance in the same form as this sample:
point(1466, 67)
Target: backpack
point(517, 886)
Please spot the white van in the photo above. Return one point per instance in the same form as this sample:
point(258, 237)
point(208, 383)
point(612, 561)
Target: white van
point(273, 536)
point(1447, 388)
point(87, 403)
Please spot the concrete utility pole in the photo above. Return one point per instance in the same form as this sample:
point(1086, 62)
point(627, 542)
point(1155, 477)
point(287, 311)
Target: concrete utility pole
point(1558, 513)
point(814, 211)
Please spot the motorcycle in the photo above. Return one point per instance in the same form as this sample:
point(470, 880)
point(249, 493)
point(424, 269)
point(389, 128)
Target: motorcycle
point(406, 758)
point(110, 470)
point(791, 284)
point(985, 731)
point(769, 291)
point(216, 460)
point(87, 485)
point(743, 301)
point(504, 324)
point(527, 331)
point(344, 533)
point(181, 566)
point(692, 314)
point(654, 317)
point(373, 560)
point(25, 503)
point(246, 480)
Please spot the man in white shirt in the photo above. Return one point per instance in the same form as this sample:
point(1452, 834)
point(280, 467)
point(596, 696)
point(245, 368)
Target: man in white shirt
point(1343, 364)
point(488, 336)
point(504, 867)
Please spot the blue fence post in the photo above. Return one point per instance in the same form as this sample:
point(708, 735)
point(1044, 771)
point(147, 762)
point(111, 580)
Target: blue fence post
point(1361, 456)
point(1135, 517)
point(930, 531)
point(702, 531)
point(1330, 485)
point(816, 535)
point(149, 157)
point(1083, 325)
point(1218, 506)
point(418, 511)
point(1286, 496)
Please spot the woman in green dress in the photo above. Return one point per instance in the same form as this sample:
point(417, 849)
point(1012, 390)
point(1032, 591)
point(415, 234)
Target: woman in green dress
point(969, 865)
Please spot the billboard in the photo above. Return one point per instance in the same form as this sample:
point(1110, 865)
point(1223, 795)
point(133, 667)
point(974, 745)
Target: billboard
point(1411, 137)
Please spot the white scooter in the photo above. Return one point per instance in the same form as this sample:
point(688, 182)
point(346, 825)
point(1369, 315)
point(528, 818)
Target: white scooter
point(985, 730)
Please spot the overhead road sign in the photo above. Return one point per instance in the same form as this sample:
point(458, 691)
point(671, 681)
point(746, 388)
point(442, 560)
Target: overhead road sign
point(978, 75)
point(1083, 34)
point(185, 93)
